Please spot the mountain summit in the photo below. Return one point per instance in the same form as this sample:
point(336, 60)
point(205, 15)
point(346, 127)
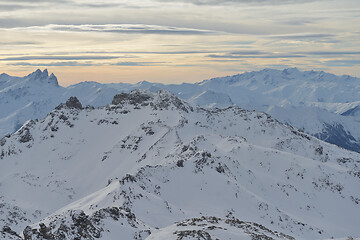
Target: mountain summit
point(42, 77)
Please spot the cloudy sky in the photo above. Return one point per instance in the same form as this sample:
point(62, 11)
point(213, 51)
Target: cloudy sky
point(173, 41)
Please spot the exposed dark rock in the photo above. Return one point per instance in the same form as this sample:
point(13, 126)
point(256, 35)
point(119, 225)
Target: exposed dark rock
point(166, 99)
point(128, 178)
point(196, 234)
point(161, 100)
point(220, 169)
point(319, 150)
point(24, 132)
point(63, 117)
point(180, 163)
point(6, 230)
point(142, 234)
point(73, 102)
point(208, 224)
point(299, 133)
point(148, 130)
point(184, 149)
point(45, 232)
point(135, 97)
point(25, 136)
point(2, 141)
point(29, 233)
point(102, 121)
point(81, 227)
point(84, 226)
point(89, 107)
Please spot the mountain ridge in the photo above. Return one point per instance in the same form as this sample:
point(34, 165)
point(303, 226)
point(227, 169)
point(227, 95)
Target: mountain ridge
point(331, 101)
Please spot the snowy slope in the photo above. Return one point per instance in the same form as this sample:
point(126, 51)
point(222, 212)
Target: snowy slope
point(151, 166)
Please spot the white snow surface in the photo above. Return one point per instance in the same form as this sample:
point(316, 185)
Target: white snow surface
point(152, 166)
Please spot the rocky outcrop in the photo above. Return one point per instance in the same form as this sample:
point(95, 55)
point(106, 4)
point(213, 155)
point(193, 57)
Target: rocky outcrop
point(134, 97)
point(73, 102)
point(163, 99)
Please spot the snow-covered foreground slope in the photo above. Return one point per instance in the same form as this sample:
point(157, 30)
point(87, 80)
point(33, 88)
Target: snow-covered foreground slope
point(151, 166)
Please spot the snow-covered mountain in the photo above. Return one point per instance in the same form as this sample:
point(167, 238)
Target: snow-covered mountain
point(289, 87)
point(35, 95)
point(333, 128)
point(26, 98)
point(152, 166)
point(322, 104)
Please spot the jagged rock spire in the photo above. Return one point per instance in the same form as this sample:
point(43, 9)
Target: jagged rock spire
point(43, 77)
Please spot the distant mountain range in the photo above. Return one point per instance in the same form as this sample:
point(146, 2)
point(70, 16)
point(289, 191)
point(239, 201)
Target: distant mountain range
point(321, 104)
point(153, 166)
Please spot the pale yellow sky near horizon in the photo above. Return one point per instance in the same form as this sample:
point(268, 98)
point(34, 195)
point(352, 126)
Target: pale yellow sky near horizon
point(176, 41)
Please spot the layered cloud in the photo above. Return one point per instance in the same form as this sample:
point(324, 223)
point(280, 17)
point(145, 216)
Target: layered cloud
point(53, 64)
point(118, 28)
point(178, 40)
point(54, 57)
point(132, 64)
point(343, 63)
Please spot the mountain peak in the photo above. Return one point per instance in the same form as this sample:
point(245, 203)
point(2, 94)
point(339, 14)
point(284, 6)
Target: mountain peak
point(4, 74)
point(291, 70)
point(53, 79)
point(143, 82)
point(160, 100)
point(137, 96)
point(43, 77)
point(38, 73)
point(73, 102)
